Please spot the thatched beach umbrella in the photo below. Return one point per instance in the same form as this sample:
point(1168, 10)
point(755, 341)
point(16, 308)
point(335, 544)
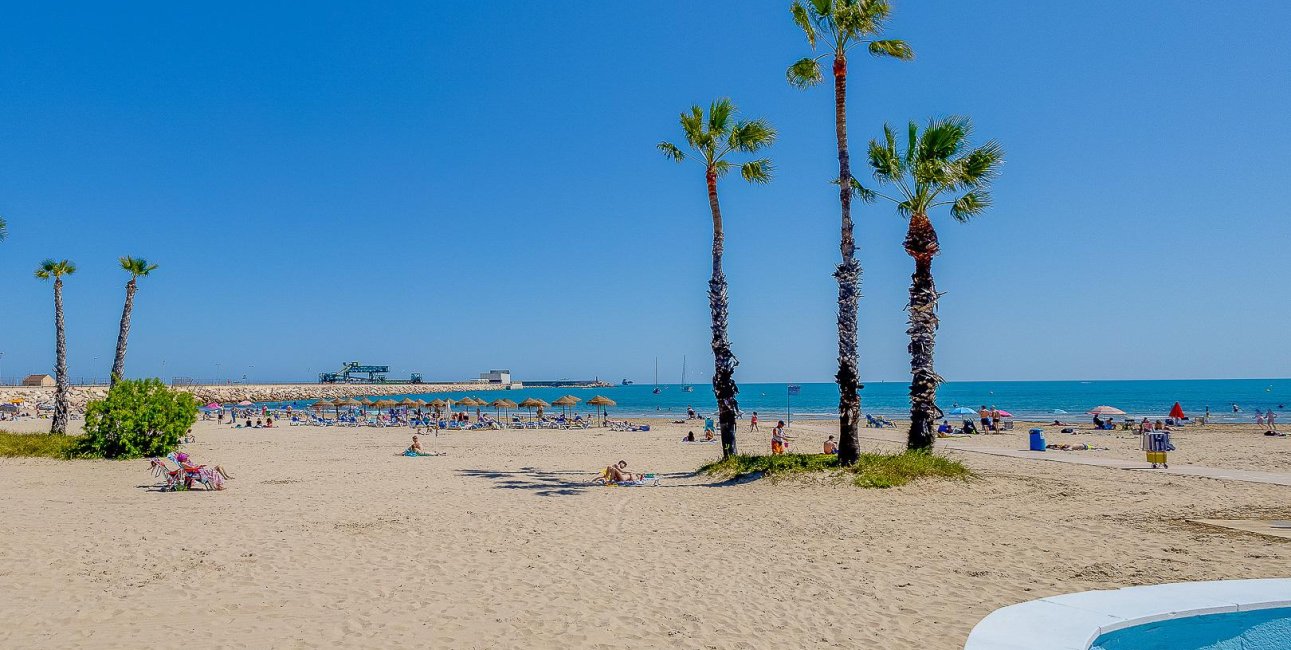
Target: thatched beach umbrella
point(503, 404)
point(600, 402)
point(338, 403)
point(565, 403)
point(366, 401)
point(532, 403)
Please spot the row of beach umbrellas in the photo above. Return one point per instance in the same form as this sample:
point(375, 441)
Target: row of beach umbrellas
point(1103, 410)
point(502, 404)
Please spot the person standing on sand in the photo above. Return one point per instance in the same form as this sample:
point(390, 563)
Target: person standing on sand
point(1272, 419)
point(779, 444)
point(985, 416)
point(753, 422)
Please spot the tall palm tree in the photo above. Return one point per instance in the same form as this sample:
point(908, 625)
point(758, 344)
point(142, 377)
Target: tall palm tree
point(713, 138)
point(57, 269)
point(937, 168)
point(4, 229)
point(137, 267)
point(840, 24)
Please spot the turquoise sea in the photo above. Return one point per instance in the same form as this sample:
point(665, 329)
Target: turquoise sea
point(1036, 400)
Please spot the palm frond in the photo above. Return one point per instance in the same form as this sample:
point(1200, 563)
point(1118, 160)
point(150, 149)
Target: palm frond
point(823, 8)
point(719, 116)
point(863, 193)
point(722, 167)
point(943, 139)
point(692, 126)
point(671, 151)
point(136, 265)
point(51, 268)
point(757, 171)
point(804, 73)
point(884, 159)
point(980, 165)
point(803, 20)
point(896, 49)
point(750, 136)
point(970, 205)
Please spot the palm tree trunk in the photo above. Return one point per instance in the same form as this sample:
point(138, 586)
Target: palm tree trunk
point(848, 274)
point(921, 244)
point(724, 388)
point(59, 425)
point(119, 363)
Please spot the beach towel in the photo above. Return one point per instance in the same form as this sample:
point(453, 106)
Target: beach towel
point(645, 480)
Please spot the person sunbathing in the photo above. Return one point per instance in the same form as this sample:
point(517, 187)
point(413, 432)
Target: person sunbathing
point(690, 437)
point(617, 473)
point(185, 462)
point(415, 449)
point(708, 436)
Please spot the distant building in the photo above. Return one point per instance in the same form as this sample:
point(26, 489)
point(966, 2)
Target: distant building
point(496, 376)
point(38, 380)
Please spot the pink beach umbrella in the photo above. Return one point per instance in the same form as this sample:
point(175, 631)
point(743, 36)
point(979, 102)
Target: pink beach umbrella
point(213, 405)
point(1105, 410)
point(1003, 413)
point(245, 403)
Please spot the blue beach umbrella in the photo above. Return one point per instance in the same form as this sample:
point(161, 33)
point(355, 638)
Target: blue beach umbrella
point(963, 410)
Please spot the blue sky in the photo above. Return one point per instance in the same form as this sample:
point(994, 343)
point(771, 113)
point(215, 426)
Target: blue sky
point(448, 187)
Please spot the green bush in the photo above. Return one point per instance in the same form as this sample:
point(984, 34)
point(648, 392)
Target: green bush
point(140, 418)
point(36, 445)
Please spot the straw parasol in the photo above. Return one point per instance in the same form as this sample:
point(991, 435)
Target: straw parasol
point(407, 401)
point(366, 401)
point(436, 403)
point(566, 402)
point(503, 404)
point(532, 403)
point(600, 402)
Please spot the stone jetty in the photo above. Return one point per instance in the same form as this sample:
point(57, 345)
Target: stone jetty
point(232, 393)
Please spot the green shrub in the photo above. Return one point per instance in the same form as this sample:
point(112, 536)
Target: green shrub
point(140, 418)
point(36, 445)
point(870, 470)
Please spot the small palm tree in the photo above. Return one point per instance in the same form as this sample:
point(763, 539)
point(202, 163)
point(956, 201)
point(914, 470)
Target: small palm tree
point(713, 138)
point(840, 24)
point(56, 270)
point(4, 229)
point(937, 168)
point(137, 267)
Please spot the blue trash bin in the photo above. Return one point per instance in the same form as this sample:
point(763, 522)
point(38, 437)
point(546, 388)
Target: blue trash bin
point(1037, 440)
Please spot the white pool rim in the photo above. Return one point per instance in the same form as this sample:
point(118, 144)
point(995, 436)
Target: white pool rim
point(1075, 621)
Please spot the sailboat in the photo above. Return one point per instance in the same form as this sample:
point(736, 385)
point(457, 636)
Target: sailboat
point(656, 376)
point(685, 388)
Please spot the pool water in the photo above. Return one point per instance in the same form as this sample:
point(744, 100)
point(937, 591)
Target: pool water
point(1261, 629)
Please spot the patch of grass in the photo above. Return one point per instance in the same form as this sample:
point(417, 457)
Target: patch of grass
point(37, 445)
point(870, 471)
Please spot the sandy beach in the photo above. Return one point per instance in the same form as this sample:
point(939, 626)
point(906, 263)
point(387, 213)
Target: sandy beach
point(326, 537)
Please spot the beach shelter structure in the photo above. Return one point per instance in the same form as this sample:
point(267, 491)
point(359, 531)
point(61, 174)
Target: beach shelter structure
point(503, 404)
point(1176, 411)
point(533, 403)
point(245, 403)
point(565, 403)
point(366, 401)
point(600, 402)
point(1105, 410)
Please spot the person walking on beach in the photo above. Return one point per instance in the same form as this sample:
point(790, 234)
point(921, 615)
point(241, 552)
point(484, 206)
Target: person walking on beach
point(1259, 417)
point(779, 444)
point(753, 421)
point(985, 416)
point(1272, 419)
